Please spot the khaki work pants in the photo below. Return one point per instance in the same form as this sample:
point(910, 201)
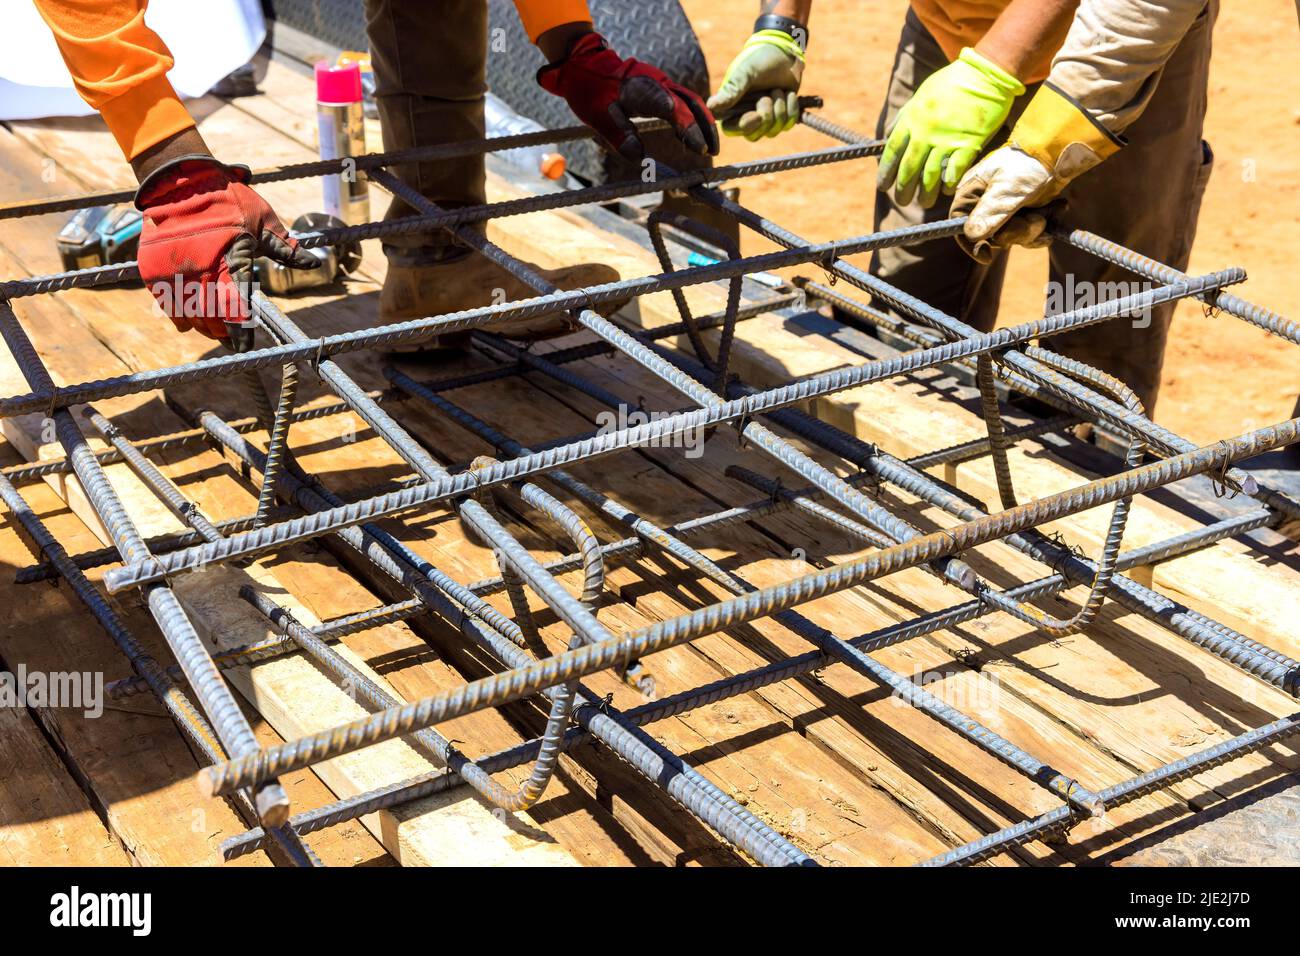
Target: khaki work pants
point(1146, 197)
point(430, 63)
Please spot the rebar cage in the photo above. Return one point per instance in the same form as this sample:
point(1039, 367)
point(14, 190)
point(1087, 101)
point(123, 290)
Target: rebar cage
point(247, 773)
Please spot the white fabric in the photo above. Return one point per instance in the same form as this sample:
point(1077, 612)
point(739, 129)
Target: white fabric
point(34, 81)
point(1112, 57)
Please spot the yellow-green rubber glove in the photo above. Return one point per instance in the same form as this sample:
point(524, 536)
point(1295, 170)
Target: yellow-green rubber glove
point(943, 127)
point(759, 95)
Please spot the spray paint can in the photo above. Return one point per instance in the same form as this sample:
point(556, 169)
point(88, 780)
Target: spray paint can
point(340, 119)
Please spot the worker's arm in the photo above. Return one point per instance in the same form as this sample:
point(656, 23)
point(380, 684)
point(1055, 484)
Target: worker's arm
point(1026, 34)
point(759, 95)
point(203, 226)
point(952, 115)
point(1101, 81)
point(119, 66)
point(1115, 52)
point(606, 91)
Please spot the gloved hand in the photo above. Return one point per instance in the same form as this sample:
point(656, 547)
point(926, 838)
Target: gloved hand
point(766, 73)
point(203, 227)
point(1002, 195)
point(943, 127)
point(1054, 142)
point(606, 92)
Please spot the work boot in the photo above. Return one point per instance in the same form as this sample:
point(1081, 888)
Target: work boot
point(473, 281)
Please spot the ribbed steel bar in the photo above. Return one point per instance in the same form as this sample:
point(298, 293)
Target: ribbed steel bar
point(45, 570)
point(418, 330)
point(920, 335)
point(517, 566)
point(1239, 650)
point(20, 474)
point(277, 443)
point(271, 537)
point(118, 273)
point(162, 487)
point(686, 785)
point(1158, 438)
point(203, 676)
point(587, 196)
point(363, 163)
point(324, 167)
point(763, 603)
point(1139, 264)
point(1121, 793)
point(979, 447)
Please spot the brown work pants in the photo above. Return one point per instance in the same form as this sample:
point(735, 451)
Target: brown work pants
point(430, 63)
point(1146, 197)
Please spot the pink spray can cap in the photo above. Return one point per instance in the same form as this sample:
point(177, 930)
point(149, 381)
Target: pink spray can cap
point(338, 84)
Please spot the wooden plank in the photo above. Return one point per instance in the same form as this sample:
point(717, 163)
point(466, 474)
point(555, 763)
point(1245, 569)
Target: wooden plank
point(906, 418)
point(1162, 732)
point(273, 681)
point(45, 819)
point(797, 354)
point(298, 698)
point(131, 761)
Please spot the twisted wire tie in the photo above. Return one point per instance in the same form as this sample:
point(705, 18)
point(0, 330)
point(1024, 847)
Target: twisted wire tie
point(1071, 550)
point(827, 261)
point(742, 423)
point(775, 494)
point(1219, 482)
point(602, 705)
point(1000, 367)
point(318, 357)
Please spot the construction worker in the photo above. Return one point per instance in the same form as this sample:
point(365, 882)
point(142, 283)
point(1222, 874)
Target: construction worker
point(964, 73)
point(204, 224)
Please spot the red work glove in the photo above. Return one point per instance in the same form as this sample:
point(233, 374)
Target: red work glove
point(203, 228)
point(605, 91)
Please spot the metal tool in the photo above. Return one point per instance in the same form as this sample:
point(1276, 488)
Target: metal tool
point(100, 236)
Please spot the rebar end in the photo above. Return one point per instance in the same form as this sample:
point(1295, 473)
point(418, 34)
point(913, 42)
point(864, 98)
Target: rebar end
point(273, 806)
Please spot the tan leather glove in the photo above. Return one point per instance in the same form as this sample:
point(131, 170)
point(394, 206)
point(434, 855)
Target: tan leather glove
point(1054, 142)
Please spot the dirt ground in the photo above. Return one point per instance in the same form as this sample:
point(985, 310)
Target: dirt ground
point(1221, 376)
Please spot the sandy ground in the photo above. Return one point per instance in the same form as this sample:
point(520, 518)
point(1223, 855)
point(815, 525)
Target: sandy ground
point(1221, 377)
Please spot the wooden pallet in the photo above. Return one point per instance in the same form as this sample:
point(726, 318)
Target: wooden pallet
point(829, 760)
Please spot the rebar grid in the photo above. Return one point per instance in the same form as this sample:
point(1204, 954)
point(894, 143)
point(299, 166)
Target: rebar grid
point(716, 399)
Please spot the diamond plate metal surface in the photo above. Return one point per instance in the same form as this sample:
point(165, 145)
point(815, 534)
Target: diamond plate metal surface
point(656, 31)
point(1258, 828)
